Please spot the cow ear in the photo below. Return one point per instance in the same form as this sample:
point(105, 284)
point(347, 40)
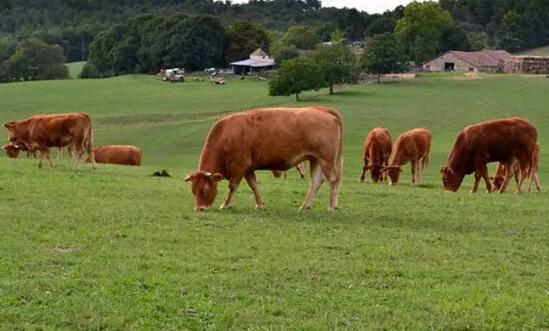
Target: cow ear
point(10, 126)
point(189, 178)
point(217, 177)
point(443, 169)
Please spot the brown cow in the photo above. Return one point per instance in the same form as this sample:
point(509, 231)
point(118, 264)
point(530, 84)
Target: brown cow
point(270, 139)
point(12, 150)
point(499, 183)
point(39, 133)
point(118, 154)
point(300, 168)
point(413, 146)
point(377, 150)
point(492, 141)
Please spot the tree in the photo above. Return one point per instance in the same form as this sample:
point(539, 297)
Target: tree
point(36, 60)
point(338, 65)
point(295, 76)
point(244, 38)
point(301, 37)
point(383, 55)
point(510, 33)
point(422, 28)
point(282, 52)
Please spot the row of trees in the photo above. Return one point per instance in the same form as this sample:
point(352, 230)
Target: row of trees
point(337, 64)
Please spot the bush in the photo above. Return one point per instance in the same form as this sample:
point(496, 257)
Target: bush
point(89, 71)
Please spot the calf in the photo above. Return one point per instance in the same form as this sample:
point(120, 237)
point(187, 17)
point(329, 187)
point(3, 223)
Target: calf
point(300, 168)
point(270, 139)
point(39, 133)
point(493, 141)
point(413, 146)
point(499, 180)
point(118, 154)
point(377, 150)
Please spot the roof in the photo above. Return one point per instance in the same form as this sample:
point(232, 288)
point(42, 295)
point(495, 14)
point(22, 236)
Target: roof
point(260, 52)
point(254, 63)
point(488, 58)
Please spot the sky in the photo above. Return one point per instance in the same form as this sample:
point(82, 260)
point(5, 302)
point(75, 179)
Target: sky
point(370, 6)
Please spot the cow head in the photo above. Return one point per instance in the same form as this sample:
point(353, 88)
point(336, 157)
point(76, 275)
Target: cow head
point(497, 182)
point(204, 188)
point(394, 173)
point(375, 172)
point(15, 136)
point(12, 150)
point(450, 179)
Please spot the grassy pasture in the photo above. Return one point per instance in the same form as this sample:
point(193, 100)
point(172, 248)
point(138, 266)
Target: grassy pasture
point(542, 51)
point(75, 68)
point(118, 249)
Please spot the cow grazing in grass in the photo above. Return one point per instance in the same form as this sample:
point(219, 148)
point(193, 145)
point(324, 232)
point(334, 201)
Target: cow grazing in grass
point(493, 141)
point(13, 150)
point(499, 179)
point(39, 133)
point(300, 168)
point(118, 154)
point(377, 150)
point(270, 139)
point(413, 146)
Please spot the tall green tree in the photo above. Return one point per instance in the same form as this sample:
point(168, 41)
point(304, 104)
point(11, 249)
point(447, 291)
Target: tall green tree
point(422, 30)
point(338, 65)
point(244, 38)
point(301, 37)
point(35, 60)
point(384, 55)
point(296, 76)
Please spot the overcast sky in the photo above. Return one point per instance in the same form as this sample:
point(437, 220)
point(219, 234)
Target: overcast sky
point(371, 6)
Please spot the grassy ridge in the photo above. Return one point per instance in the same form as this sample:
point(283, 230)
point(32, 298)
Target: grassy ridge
point(117, 249)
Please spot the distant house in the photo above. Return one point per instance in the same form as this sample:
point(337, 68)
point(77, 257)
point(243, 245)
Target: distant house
point(483, 61)
point(258, 61)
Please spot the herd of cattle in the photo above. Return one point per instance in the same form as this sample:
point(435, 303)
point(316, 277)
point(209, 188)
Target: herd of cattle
point(278, 139)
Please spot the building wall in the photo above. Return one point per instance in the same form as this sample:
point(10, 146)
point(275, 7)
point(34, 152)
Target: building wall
point(528, 65)
point(438, 63)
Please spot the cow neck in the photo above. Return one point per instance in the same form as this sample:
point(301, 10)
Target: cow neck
point(211, 159)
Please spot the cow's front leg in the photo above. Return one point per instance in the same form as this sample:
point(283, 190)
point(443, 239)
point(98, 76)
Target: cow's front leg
point(252, 182)
point(477, 182)
point(508, 174)
point(233, 186)
point(413, 165)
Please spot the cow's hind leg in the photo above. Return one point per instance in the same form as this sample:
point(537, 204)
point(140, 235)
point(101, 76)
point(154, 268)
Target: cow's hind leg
point(252, 182)
point(330, 172)
point(316, 181)
point(233, 186)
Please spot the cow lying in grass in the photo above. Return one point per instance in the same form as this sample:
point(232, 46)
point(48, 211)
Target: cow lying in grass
point(413, 146)
point(118, 154)
point(494, 141)
point(270, 139)
point(376, 152)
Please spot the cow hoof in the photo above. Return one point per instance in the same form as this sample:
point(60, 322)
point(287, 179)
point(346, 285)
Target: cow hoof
point(259, 207)
point(224, 207)
point(302, 208)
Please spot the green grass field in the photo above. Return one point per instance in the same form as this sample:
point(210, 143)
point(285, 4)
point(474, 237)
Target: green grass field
point(542, 51)
point(118, 249)
point(75, 68)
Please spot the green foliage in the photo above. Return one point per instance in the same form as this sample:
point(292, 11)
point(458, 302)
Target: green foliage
point(281, 52)
point(34, 60)
point(423, 28)
point(89, 71)
point(148, 43)
point(296, 76)
point(337, 63)
point(383, 55)
point(478, 40)
point(301, 37)
point(244, 38)
point(510, 33)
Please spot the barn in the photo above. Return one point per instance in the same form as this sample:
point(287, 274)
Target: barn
point(482, 61)
point(258, 61)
